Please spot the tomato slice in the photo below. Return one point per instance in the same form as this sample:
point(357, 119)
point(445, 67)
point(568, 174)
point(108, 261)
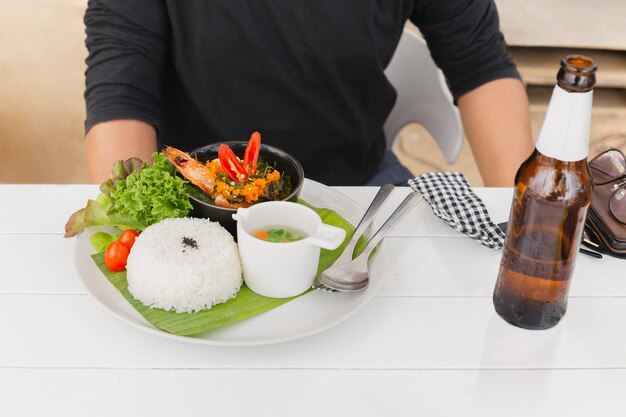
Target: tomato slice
point(251, 157)
point(231, 165)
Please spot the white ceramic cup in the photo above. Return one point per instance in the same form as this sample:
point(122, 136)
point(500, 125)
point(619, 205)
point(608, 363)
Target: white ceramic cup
point(281, 270)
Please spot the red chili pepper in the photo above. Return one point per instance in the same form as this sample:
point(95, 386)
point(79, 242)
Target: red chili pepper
point(251, 157)
point(231, 165)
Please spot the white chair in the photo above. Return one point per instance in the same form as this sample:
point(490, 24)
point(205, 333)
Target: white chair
point(423, 97)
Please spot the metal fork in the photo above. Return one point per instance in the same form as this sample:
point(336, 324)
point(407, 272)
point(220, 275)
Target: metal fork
point(346, 256)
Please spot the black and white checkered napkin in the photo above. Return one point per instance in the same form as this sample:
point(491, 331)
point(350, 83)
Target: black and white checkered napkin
point(453, 201)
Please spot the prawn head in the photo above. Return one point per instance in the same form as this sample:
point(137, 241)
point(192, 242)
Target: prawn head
point(194, 171)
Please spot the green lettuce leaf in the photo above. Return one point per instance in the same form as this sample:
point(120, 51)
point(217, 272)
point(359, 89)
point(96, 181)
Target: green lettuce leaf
point(101, 240)
point(163, 164)
point(151, 195)
point(136, 196)
point(99, 213)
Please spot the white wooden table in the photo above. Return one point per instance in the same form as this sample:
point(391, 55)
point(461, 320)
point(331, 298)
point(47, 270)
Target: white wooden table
point(428, 344)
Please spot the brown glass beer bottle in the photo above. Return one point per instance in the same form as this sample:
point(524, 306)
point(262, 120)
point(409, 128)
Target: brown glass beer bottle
point(553, 189)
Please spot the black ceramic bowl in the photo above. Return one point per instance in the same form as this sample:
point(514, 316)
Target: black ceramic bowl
point(285, 163)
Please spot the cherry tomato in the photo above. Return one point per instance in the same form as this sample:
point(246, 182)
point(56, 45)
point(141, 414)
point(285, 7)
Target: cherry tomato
point(231, 165)
point(128, 237)
point(115, 256)
point(251, 157)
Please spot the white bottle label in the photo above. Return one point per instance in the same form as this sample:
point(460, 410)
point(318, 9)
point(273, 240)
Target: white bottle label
point(565, 131)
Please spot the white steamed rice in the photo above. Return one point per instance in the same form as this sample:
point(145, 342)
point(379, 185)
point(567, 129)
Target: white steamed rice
point(184, 265)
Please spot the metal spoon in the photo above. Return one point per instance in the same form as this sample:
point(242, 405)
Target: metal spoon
point(353, 275)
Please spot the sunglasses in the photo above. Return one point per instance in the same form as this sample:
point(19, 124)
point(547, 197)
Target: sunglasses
point(607, 167)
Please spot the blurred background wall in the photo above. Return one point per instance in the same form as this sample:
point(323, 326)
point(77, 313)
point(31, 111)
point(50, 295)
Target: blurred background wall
point(42, 56)
point(42, 68)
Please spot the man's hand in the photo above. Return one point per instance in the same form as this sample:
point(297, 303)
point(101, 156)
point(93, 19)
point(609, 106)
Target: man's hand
point(111, 141)
point(497, 124)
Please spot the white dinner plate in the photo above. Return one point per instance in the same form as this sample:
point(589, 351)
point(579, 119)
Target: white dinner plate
point(303, 316)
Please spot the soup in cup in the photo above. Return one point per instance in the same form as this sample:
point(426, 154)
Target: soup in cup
point(279, 244)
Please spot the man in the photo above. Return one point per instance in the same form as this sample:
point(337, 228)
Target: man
point(307, 74)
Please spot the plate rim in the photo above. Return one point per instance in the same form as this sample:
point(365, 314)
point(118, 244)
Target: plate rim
point(151, 329)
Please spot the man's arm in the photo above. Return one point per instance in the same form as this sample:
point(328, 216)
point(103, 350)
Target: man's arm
point(497, 124)
point(110, 141)
point(466, 43)
point(128, 44)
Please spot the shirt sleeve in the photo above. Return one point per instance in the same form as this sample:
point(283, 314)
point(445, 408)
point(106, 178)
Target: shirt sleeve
point(127, 43)
point(465, 41)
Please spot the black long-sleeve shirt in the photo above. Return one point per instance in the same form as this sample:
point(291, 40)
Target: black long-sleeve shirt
point(307, 74)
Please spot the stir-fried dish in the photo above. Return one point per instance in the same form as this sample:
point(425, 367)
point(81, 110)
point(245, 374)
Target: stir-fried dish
point(230, 181)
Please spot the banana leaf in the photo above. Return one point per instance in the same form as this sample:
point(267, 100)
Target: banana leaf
point(245, 305)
